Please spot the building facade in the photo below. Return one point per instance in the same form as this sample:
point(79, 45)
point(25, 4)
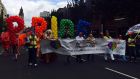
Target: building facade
point(3, 10)
point(21, 13)
point(45, 14)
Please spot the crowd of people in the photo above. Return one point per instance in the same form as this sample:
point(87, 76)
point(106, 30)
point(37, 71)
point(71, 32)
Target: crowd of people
point(132, 46)
point(32, 43)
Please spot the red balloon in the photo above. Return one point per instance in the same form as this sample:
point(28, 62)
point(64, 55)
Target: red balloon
point(40, 25)
point(14, 30)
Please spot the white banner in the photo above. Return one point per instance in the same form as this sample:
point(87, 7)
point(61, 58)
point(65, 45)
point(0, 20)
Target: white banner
point(69, 47)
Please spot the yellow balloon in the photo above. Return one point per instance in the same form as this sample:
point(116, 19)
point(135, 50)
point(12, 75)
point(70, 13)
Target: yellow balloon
point(54, 27)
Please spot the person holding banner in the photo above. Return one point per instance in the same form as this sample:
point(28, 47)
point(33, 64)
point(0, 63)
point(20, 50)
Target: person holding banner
point(79, 40)
point(131, 48)
point(91, 43)
point(48, 37)
point(91, 40)
point(108, 38)
point(121, 45)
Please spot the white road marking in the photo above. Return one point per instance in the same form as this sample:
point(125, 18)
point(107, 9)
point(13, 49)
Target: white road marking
point(121, 73)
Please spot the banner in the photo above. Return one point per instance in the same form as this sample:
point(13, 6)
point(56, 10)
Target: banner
point(45, 46)
point(69, 47)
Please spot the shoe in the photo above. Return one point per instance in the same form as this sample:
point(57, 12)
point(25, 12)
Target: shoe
point(112, 61)
point(35, 65)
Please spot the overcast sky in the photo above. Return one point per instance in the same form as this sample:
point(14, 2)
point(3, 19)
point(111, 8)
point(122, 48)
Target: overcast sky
point(32, 7)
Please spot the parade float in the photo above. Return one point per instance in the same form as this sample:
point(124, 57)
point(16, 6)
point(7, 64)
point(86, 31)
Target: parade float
point(65, 34)
point(14, 30)
point(40, 25)
point(66, 28)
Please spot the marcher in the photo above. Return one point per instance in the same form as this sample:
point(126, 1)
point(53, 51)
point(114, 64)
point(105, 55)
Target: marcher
point(48, 56)
point(108, 38)
point(67, 35)
point(101, 35)
point(79, 40)
point(138, 46)
point(38, 47)
point(91, 43)
point(14, 46)
point(131, 48)
point(17, 53)
point(91, 40)
point(121, 43)
point(32, 60)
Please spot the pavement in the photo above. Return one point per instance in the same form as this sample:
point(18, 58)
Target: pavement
point(60, 69)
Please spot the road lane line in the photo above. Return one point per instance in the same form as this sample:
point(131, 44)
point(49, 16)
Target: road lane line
point(121, 73)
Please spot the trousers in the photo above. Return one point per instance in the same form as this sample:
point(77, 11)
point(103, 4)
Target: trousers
point(110, 53)
point(32, 55)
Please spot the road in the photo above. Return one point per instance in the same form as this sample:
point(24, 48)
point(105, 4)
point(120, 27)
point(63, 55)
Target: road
point(60, 69)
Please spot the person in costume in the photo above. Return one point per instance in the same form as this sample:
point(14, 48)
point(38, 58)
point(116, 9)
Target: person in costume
point(131, 47)
point(108, 38)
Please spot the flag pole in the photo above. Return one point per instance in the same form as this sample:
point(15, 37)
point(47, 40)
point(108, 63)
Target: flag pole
point(137, 35)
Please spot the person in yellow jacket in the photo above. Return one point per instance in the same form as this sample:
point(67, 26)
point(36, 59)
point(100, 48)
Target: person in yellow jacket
point(32, 49)
point(131, 48)
point(108, 38)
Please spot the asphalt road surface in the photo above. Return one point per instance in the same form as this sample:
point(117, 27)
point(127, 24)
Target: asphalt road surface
point(60, 69)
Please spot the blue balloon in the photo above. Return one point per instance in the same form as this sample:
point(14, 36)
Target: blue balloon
point(83, 27)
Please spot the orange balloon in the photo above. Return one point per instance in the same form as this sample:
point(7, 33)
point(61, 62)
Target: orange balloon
point(21, 39)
